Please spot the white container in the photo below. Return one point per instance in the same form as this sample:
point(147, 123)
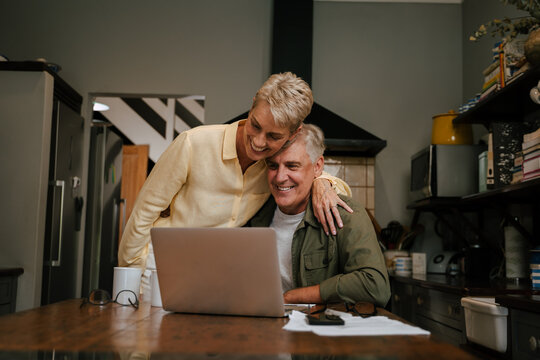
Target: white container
point(485, 322)
point(418, 263)
point(389, 257)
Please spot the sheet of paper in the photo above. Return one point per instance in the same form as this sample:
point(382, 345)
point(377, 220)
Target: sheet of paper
point(354, 326)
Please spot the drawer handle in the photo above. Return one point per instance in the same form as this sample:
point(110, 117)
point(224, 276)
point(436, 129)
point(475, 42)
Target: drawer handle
point(533, 343)
point(396, 298)
point(454, 309)
point(419, 301)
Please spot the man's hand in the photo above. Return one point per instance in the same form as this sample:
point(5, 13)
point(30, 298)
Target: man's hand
point(305, 295)
point(325, 202)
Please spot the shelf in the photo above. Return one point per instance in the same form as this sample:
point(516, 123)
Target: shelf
point(510, 104)
point(522, 193)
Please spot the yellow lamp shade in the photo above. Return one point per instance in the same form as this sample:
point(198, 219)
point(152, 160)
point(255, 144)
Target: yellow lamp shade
point(445, 132)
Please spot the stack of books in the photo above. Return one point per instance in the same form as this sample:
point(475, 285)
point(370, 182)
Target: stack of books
point(517, 170)
point(531, 155)
point(508, 63)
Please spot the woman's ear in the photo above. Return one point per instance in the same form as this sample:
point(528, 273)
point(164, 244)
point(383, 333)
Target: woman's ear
point(295, 133)
point(319, 166)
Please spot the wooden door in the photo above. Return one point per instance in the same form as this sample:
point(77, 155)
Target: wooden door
point(134, 171)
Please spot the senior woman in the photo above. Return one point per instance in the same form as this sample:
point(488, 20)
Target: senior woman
point(215, 175)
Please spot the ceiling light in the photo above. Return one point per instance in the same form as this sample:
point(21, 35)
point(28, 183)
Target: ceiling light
point(100, 107)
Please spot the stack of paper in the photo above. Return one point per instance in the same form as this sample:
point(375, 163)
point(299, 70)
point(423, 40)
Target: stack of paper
point(354, 326)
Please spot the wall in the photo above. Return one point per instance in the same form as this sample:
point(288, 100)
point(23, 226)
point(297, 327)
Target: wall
point(389, 68)
point(216, 48)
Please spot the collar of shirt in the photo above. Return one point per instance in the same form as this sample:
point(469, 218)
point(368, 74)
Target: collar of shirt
point(229, 141)
point(309, 216)
point(264, 217)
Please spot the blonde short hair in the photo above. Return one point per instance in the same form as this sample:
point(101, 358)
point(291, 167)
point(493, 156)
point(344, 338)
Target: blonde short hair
point(290, 99)
point(313, 138)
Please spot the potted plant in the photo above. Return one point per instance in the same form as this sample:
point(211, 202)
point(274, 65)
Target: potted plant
point(508, 28)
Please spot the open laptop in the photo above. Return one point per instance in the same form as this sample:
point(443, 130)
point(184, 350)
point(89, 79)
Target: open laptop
point(228, 271)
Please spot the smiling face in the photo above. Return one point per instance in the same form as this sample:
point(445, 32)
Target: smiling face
point(290, 175)
point(262, 137)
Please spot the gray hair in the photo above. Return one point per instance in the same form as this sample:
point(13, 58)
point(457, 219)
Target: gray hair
point(290, 99)
point(313, 138)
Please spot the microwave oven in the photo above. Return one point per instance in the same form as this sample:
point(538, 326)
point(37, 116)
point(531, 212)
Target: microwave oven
point(445, 171)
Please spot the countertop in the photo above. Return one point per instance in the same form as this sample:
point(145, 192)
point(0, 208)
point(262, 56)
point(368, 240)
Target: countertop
point(4, 271)
point(468, 287)
point(520, 302)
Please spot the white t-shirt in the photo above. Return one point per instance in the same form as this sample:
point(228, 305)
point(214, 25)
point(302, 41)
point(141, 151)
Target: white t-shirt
point(285, 225)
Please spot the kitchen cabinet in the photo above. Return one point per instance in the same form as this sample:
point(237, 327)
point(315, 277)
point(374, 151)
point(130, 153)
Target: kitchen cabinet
point(433, 302)
point(523, 325)
point(440, 312)
point(403, 300)
point(8, 289)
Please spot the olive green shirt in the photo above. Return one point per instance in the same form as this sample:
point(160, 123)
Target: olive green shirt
point(349, 266)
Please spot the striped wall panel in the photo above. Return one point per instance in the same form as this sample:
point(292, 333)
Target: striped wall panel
point(155, 121)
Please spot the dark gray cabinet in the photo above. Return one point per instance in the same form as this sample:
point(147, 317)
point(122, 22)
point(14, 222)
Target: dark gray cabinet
point(441, 313)
point(523, 325)
point(8, 289)
point(525, 335)
point(438, 311)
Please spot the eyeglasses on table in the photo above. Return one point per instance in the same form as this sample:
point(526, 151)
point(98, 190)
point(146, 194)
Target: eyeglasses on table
point(102, 297)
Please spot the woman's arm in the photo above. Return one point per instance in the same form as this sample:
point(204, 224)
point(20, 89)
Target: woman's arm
point(325, 201)
point(166, 179)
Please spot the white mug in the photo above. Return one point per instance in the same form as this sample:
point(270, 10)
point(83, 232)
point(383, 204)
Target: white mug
point(403, 265)
point(126, 278)
point(156, 294)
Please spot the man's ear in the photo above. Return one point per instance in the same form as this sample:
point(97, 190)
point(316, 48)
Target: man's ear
point(319, 166)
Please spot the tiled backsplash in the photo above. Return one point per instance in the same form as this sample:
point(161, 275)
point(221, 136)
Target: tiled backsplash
point(359, 173)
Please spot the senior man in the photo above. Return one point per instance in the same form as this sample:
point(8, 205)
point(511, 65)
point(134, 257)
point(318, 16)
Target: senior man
point(315, 267)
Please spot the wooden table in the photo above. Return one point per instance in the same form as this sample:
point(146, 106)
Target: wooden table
point(65, 326)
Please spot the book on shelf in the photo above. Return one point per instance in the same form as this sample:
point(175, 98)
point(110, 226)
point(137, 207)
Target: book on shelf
point(530, 136)
point(531, 175)
point(531, 152)
point(518, 159)
point(509, 63)
point(527, 162)
point(494, 88)
point(495, 74)
point(493, 66)
point(529, 144)
point(517, 177)
point(531, 165)
point(493, 81)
